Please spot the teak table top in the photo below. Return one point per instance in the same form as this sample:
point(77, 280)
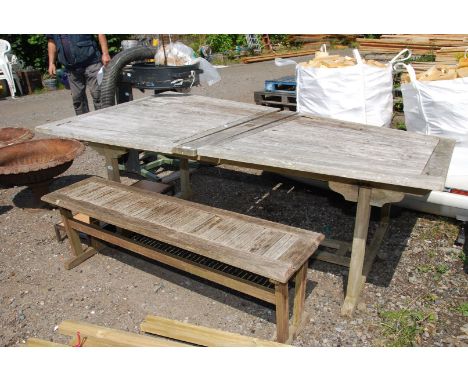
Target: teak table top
point(223, 131)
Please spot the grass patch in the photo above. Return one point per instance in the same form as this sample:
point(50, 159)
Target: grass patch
point(401, 126)
point(424, 268)
point(442, 268)
point(441, 229)
point(430, 298)
point(403, 327)
point(462, 256)
point(463, 309)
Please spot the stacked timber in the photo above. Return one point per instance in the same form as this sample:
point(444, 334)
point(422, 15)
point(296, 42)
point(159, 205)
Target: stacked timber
point(315, 41)
point(272, 56)
point(440, 72)
point(451, 55)
point(422, 44)
point(439, 40)
point(420, 67)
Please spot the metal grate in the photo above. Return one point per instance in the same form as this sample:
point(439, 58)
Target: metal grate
point(200, 260)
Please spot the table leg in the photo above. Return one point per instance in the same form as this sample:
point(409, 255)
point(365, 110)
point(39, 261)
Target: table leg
point(112, 165)
point(186, 188)
point(373, 249)
point(111, 155)
point(383, 227)
point(358, 252)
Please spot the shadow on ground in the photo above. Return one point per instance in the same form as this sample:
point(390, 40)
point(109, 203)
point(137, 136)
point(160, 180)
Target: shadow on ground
point(300, 205)
point(25, 198)
point(5, 209)
point(198, 285)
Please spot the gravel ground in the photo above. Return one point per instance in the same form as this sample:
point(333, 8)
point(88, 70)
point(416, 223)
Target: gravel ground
point(415, 296)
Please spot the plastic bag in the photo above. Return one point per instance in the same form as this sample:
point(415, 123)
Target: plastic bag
point(436, 107)
point(359, 93)
point(210, 75)
point(62, 77)
point(177, 54)
point(100, 75)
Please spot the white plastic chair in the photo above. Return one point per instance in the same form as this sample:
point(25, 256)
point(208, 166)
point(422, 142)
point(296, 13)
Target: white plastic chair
point(6, 71)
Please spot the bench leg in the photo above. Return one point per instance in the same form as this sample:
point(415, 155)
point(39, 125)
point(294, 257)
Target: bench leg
point(79, 255)
point(282, 312)
point(355, 278)
point(96, 244)
point(299, 296)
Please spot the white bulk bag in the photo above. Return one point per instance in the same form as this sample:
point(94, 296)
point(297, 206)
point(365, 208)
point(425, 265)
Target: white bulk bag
point(437, 107)
point(361, 93)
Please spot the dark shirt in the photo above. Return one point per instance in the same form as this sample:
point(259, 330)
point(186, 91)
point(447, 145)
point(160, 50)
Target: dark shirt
point(65, 39)
point(76, 50)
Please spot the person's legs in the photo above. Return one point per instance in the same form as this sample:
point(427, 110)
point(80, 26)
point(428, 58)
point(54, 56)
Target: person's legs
point(91, 80)
point(77, 82)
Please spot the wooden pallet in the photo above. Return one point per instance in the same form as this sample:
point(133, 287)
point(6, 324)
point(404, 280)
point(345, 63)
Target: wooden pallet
point(155, 332)
point(281, 99)
point(288, 101)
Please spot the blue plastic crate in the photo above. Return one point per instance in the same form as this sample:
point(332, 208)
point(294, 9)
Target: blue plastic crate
point(284, 84)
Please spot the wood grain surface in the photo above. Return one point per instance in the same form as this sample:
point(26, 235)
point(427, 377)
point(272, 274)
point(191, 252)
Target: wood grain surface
point(155, 123)
point(262, 247)
point(222, 131)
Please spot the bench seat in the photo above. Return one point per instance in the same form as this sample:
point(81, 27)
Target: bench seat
point(251, 255)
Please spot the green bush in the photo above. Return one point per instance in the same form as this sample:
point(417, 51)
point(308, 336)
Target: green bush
point(32, 48)
point(221, 43)
point(282, 39)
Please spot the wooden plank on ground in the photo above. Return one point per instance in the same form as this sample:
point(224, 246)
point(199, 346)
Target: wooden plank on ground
point(267, 57)
point(113, 337)
point(199, 335)
point(37, 342)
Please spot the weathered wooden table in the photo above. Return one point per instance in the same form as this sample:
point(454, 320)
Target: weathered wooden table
point(368, 165)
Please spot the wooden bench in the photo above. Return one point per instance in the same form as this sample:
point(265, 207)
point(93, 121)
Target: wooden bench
point(247, 254)
point(158, 187)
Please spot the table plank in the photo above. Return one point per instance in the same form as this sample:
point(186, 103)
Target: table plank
point(155, 123)
point(222, 131)
point(342, 152)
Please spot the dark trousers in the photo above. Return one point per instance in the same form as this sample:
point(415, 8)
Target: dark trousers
point(81, 78)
